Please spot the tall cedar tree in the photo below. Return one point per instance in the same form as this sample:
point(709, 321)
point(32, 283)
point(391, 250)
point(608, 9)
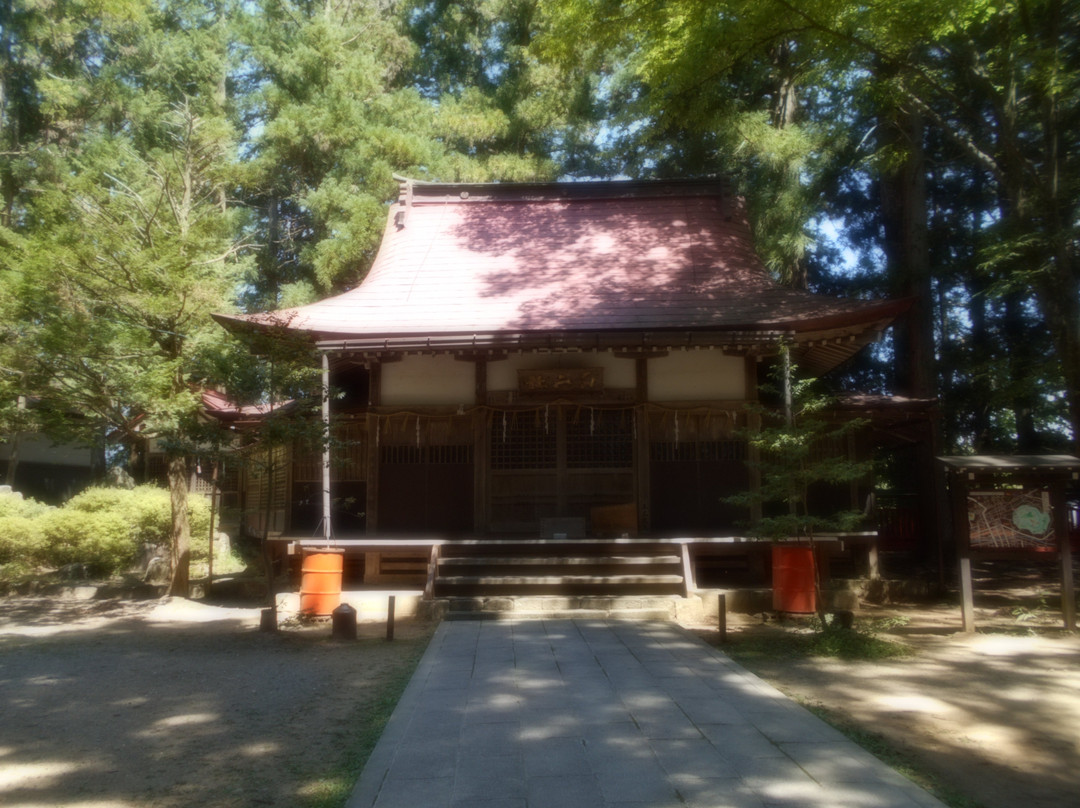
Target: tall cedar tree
point(854, 94)
point(131, 246)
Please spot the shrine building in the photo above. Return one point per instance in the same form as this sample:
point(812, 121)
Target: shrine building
point(563, 362)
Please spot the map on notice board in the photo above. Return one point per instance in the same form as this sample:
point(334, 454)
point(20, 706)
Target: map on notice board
point(1010, 520)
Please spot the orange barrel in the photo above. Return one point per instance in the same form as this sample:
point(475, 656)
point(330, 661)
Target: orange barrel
point(320, 580)
point(793, 579)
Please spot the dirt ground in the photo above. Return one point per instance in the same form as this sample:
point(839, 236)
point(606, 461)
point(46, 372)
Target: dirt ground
point(114, 704)
point(993, 717)
point(163, 704)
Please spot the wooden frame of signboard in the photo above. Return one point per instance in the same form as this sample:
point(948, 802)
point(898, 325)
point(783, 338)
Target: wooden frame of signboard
point(1012, 507)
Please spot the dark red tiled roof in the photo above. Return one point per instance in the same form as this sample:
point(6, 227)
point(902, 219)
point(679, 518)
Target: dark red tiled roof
point(576, 257)
point(220, 406)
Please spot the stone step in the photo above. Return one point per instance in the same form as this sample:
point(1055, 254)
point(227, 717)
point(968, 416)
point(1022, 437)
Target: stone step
point(480, 607)
point(566, 614)
point(553, 561)
point(553, 580)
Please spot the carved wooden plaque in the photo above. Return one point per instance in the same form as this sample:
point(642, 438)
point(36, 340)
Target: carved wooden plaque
point(560, 381)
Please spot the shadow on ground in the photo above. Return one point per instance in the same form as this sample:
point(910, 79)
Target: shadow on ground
point(118, 704)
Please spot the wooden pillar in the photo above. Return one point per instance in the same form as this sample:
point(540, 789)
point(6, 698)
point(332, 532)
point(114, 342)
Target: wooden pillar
point(753, 454)
point(961, 530)
point(1061, 530)
point(967, 595)
point(643, 486)
point(326, 524)
point(561, 493)
point(481, 518)
point(371, 520)
point(689, 584)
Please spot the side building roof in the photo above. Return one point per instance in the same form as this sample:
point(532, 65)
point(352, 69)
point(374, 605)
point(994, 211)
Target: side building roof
point(591, 264)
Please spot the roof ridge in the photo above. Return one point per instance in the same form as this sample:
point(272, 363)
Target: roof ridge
point(412, 191)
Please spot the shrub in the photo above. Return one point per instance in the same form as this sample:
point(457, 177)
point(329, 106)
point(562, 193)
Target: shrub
point(199, 519)
point(12, 504)
point(21, 539)
point(146, 508)
point(103, 540)
point(104, 527)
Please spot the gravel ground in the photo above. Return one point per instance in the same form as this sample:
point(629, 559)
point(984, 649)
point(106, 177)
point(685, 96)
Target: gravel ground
point(129, 704)
point(113, 704)
point(994, 716)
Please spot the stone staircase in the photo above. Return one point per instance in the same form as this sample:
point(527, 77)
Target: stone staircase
point(551, 607)
point(562, 567)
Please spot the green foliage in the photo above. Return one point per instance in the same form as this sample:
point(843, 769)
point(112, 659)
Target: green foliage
point(15, 505)
point(854, 644)
point(861, 643)
point(330, 787)
point(21, 538)
point(796, 453)
point(100, 527)
point(146, 509)
point(102, 540)
point(823, 112)
point(337, 98)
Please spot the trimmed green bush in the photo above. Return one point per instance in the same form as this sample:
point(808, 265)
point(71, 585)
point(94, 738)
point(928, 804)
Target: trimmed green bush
point(146, 509)
point(103, 540)
point(101, 527)
point(199, 519)
point(15, 505)
point(21, 539)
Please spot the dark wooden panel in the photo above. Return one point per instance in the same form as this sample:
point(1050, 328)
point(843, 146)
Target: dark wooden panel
point(689, 484)
point(426, 490)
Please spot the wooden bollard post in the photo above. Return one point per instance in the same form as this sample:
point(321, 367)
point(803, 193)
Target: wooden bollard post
point(390, 618)
point(721, 609)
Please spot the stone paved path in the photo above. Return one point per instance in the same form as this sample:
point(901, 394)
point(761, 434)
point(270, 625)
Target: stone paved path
point(608, 714)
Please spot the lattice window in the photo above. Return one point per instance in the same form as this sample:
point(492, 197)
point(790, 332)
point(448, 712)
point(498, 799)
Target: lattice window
point(257, 474)
point(829, 447)
point(524, 440)
point(349, 452)
point(697, 451)
point(693, 426)
point(426, 455)
point(307, 461)
point(157, 469)
point(600, 439)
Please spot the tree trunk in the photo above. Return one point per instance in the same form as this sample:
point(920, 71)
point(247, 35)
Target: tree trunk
point(268, 556)
point(1021, 360)
point(13, 459)
point(179, 484)
point(1060, 302)
point(977, 357)
point(13, 442)
point(903, 213)
point(906, 246)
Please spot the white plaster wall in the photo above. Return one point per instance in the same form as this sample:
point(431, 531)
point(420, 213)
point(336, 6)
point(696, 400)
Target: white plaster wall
point(697, 376)
point(429, 380)
point(40, 449)
point(618, 371)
